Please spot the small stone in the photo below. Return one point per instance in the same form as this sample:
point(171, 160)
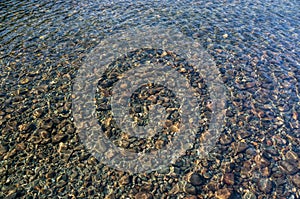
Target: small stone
point(229, 178)
point(164, 54)
point(37, 113)
point(124, 180)
point(249, 195)
point(241, 147)
point(250, 84)
point(224, 193)
point(288, 168)
point(58, 138)
point(261, 161)
point(24, 127)
point(3, 149)
point(225, 36)
point(296, 180)
point(291, 155)
point(143, 195)
point(44, 134)
point(225, 139)
point(21, 146)
point(168, 123)
point(50, 174)
point(196, 179)
point(265, 172)
point(174, 128)
point(24, 80)
point(159, 144)
point(123, 86)
point(62, 147)
point(92, 161)
point(189, 188)
point(265, 185)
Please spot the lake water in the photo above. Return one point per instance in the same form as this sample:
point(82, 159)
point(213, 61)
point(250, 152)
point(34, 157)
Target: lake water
point(254, 49)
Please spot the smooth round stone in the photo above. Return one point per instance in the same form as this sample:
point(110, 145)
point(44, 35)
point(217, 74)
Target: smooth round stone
point(196, 179)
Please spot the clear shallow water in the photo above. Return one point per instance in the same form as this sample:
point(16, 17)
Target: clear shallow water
point(255, 46)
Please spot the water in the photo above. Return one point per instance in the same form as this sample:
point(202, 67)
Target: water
point(255, 45)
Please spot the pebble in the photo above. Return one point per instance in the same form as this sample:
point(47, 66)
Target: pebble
point(21, 146)
point(265, 185)
point(261, 161)
point(296, 180)
point(24, 80)
point(196, 179)
point(225, 139)
point(143, 195)
point(24, 127)
point(229, 178)
point(3, 149)
point(288, 168)
point(265, 172)
point(189, 188)
point(37, 113)
point(124, 180)
point(44, 134)
point(62, 147)
point(241, 147)
point(59, 137)
point(291, 155)
point(224, 193)
point(249, 195)
point(174, 128)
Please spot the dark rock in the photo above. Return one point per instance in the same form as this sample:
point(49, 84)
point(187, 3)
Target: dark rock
point(189, 188)
point(196, 179)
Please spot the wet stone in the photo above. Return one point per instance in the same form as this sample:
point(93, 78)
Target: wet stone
point(229, 178)
point(288, 168)
point(143, 195)
point(124, 180)
point(249, 195)
point(196, 179)
point(241, 147)
point(189, 188)
point(291, 155)
point(296, 180)
point(265, 172)
point(261, 161)
point(3, 149)
point(225, 139)
point(224, 193)
point(59, 138)
point(24, 80)
point(265, 185)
